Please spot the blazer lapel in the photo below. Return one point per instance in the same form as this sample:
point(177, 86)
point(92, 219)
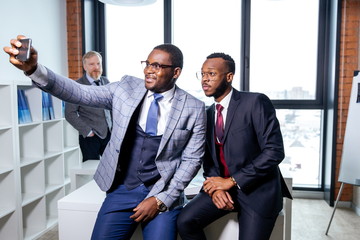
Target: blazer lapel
point(211, 133)
point(174, 116)
point(233, 105)
point(84, 80)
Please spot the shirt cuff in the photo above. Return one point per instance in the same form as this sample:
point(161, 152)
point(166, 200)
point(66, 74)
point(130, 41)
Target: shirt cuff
point(40, 75)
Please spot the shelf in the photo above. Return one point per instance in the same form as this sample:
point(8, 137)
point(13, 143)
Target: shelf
point(34, 218)
point(51, 205)
point(53, 142)
point(9, 227)
point(34, 99)
point(54, 173)
point(58, 108)
point(32, 182)
point(6, 106)
point(71, 160)
point(27, 161)
point(31, 142)
point(5, 170)
point(71, 136)
point(34, 165)
point(5, 127)
point(8, 200)
point(7, 149)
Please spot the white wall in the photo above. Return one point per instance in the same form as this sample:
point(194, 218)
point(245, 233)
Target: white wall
point(42, 20)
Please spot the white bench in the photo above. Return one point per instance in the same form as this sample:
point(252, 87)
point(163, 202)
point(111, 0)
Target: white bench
point(227, 228)
point(77, 214)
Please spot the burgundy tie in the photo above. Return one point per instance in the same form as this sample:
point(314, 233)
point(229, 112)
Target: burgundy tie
point(219, 126)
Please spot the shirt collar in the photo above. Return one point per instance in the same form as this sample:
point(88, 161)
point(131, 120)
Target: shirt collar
point(91, 80)
point(226, 100)
point(167, 96)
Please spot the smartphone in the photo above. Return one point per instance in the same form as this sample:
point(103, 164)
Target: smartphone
point(24, 50)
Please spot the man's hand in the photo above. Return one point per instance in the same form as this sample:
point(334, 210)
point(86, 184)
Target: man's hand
point(213, 184)
point(146, 210)
point(223, 200)
point(30, 65)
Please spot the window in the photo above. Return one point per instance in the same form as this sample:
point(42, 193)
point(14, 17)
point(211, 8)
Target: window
point(301, 130)
point(206, 27)
point(283, 48)
point(283, 65)
point(131, 34)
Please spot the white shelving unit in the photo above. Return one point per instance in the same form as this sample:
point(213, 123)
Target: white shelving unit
point(35, 164)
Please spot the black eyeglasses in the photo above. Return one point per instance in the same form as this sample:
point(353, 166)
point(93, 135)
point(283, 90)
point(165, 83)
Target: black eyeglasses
point(208, 75)
point(155, 66)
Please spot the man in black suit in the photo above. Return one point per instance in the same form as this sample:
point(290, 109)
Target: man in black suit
point(93, 124)
point(244, 148)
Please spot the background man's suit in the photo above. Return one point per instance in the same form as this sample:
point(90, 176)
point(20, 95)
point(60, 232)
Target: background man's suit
point(86, 119)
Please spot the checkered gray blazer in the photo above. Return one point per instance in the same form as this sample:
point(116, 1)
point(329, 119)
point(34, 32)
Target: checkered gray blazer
point(182, 145)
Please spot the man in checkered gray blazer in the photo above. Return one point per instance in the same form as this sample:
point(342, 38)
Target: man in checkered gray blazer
point(144, 175)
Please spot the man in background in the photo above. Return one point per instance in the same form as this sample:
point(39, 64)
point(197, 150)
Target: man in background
point(93, 124)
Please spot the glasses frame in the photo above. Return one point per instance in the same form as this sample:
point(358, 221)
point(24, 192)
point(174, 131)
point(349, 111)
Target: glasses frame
point(210, 75)
point(156, 66)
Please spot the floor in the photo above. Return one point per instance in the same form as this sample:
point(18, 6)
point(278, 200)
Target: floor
point(309, 222)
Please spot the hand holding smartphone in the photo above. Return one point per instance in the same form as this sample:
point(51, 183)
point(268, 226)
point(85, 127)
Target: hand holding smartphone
point(24, 50)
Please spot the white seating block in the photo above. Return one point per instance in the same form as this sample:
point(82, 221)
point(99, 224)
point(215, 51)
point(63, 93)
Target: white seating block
point(77, 214)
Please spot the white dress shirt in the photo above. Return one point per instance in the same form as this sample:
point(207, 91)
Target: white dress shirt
point(164, 109)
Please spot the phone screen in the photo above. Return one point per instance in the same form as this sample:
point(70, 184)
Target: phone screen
point(24, 50)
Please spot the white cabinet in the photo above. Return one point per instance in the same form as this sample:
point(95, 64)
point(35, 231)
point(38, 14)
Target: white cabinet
point(35, 162)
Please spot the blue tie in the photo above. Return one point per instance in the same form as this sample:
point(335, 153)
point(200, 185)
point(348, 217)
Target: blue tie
point(152, 118)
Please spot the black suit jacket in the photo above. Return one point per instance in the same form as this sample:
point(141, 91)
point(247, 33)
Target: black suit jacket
point(253, 149)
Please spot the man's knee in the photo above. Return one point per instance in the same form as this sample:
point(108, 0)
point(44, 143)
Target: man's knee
point(185, 220)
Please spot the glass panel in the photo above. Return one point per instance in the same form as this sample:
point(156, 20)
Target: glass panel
point(131, 34)
point(301, 131)
point(283, 48)
point(88, 25)
point(203, 27)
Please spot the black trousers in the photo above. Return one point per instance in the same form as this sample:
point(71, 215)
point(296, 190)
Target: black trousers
point(201, 211)
point(93, 147)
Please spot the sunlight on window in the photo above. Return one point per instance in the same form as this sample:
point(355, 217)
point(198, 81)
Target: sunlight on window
point(203, 27)
point(283, 48)
point(131, 34)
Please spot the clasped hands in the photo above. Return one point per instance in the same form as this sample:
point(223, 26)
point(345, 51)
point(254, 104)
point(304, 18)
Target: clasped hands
point(217, 188)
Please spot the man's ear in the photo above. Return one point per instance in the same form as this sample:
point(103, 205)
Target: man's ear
point(177, 72)
point(229, 77)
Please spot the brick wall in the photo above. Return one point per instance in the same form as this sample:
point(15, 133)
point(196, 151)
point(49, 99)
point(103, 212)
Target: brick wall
point(349, 61)
point(74, 38)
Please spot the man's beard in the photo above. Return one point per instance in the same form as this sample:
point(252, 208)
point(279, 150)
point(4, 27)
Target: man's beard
point(95, 75)
point(220, 90)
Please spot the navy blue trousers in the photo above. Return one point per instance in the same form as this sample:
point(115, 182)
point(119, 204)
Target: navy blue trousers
point(114, 222)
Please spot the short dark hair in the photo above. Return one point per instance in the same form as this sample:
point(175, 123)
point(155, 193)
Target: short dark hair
point(176, 56)
point(228, 59)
